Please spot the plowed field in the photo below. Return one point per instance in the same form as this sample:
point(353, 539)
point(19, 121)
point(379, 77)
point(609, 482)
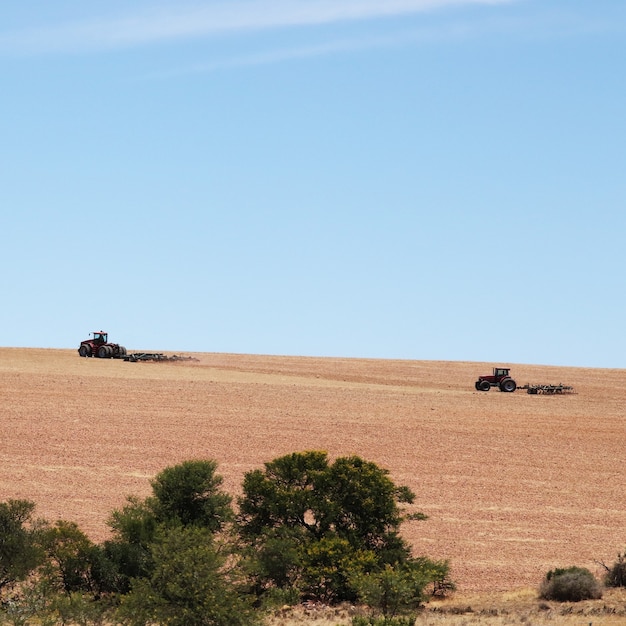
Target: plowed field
point(513, 484)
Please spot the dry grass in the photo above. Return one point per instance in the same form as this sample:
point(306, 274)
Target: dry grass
point(514, 484)
point(480, 609)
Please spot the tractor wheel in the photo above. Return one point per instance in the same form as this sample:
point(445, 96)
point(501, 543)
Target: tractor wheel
point(84, 350)
point(484, 385)
point(122, 351)
point(508, 385)
point(103, 352)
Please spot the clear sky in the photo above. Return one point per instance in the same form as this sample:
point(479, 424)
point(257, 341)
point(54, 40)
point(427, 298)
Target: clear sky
point(412, 179)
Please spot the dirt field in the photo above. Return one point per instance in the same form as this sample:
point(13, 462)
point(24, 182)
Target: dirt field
point(513, 484)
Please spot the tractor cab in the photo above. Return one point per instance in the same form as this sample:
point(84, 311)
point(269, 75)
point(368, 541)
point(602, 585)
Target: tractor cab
point(100, 337)
point(500, 378)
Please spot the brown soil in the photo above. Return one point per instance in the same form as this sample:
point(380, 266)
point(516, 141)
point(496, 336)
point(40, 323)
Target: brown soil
point(513, 484)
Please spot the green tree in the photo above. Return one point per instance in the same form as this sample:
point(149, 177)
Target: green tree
point(302, 516)
point(20, 551)
point(70, 556)
point(192, 584)
point(190, 494)
point(286, 494)
point(127, 554)
point(353, 498)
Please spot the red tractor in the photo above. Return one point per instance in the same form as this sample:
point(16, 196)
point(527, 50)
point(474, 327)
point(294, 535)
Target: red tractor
point(99, 346)
point(500, 378)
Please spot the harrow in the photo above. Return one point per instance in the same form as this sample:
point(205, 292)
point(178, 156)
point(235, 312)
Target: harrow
point(155, 356)
point(547, 389)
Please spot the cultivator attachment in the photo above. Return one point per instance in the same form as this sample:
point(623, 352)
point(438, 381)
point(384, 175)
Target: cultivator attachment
point(548, 389)
point(156, 356)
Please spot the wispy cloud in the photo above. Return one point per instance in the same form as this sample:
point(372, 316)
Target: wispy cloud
point(398, 39)
point(201, 20)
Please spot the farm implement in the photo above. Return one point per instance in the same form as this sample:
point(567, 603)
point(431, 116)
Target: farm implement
point(155, 356)
point(98, 346)
point(501, 379)
point(547, 389)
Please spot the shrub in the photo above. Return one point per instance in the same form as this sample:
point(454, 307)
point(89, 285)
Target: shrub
point(193, 583)
point(20, 552)
point(399, 589)
point(69, 558)
point(571, 584)
point(616, 574)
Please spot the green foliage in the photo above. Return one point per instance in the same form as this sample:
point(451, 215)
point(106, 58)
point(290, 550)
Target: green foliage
point(287, 493)
point(135, 523)
point(307, 528)
point(275, 559)
point(25, 603)
point(189, 494)
point(191, 585)
point(571, 584)
point(353, 498)
point(395, 589)
point(436, 573)
point(70, 557)
point(276, 598)
point(328, 567)
point(616, 574)
point(20, 552)
point(362, 501)
point(315, 525)
point(38, 601)
point(127, 555)
point(76, 608)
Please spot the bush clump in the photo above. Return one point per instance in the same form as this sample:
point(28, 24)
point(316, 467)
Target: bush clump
point(571, 584)
point(616, 574)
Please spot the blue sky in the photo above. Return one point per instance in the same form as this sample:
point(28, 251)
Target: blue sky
point(412, 179)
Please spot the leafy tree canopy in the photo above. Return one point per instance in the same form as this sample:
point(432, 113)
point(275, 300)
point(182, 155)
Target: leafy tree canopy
point(351, 498)
point(314, 524)
point(20, 552)
point(190, 494)
point(191, 585)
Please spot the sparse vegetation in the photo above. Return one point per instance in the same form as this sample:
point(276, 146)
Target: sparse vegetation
point(616, 574)
point(383, 621)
